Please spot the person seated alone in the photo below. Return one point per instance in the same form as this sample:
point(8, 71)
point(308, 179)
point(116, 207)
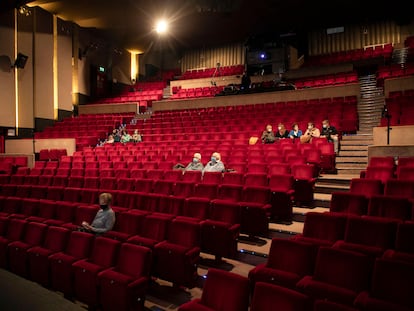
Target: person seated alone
point(104, 219)
point(331, 134)
point(215, 164)
point(194, 165)
point(281, 132)
point(268, 137)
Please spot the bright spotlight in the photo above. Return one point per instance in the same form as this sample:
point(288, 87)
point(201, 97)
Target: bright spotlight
point(161, 27)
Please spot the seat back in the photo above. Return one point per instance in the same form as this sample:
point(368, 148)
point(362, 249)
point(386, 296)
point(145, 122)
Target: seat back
point(256, 179)
point(401, 188)
point(134, 260)
point(343, 268)
point(302, 171)
point(273, 297)
point(348, 203)
point(229, 192)
point(34, 233)
point(366, 186)
point(56, 238)
point(225, 290)
point(183, 189)
point(378, 161)
point(163, 187)
point(144, 185)
point(371, 231)
point(256, 194)
point(192, 176)
point(155, 227)
point(184, 233)
point(382, 173)
point(212, 178)
point(85, 213)
point(79, 244)
point(229, 212)
point(292, 256)
point(405, 237)
point(104, 251)
point(325, 226)
point(281, 182)
point(16, 229)
point(206, 190)
point(392, 281)
point(390, 207)
point(197, 207)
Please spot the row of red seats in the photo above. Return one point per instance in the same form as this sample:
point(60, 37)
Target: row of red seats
point(386, 168)
point(209, 72)
point(346, 269)
point(381, 50)
point(10, 164)
point(399, 108)
point(197, 92)
point(99, 272)
point(395, 71)
point(327, 80)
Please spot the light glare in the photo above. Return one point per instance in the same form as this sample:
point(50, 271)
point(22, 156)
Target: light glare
point(161, 27)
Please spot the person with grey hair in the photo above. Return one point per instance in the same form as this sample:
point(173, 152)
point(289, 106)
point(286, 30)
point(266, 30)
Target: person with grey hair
point(104, 219)
point(215, 164)
point(194, 165)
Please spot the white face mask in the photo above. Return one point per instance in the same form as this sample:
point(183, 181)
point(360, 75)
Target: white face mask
point(325, 126)
point(279, 128)
point(309, 127)
point(195, 160)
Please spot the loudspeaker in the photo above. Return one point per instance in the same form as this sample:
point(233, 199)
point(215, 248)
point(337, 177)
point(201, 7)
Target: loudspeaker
point(21, 60)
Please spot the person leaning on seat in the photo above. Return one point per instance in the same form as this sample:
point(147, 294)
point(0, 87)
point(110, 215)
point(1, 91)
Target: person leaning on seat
point(215, 164)
point(104, 219)
point(194, 165)
point(268, 136)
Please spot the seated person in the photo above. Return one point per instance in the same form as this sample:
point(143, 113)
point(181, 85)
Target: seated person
point(194, 165)
point(110, 139)
point(282, 132)
point(295, 132)
point(136, 137)
point(215, 164)
point(105, 217)
point(125, 138)
point(310, 132)
point(268, 137)
point(331, 134)
point(117, 135)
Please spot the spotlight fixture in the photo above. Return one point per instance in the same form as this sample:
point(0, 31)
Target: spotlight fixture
point(24, 10)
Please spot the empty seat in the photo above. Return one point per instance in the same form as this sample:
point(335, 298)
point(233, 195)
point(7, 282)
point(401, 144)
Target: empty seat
point(124, 286)
point(382, 173)
point(17, 250)
point(323, 228)
point(14, 232)
point(288, 261)
point(77, 248)
point(38, 262)
point(339, 276)
point(404, 247)
point(368, 235)
point(349, 203)
point(127, 224)
point(273, 297)
point(177, 257)
point(390, 288)
point(400, 188)
point(85, 271)
point(222, 290)
point(390, 207)
point(282, 196)
point(366, 186)
point(304, 183)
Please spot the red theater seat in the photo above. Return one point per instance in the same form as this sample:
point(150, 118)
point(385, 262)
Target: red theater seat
point(14, 232)
point(288, 261)
point(85, 271)
point(389, 206)
point(349, 203)
point(124, 286)
point(54, 242)
point(273, 297)
point(177, 257)
point(282, 195)
point(77, 248)
point(222, 290)
point(404, 246)
point(339, 276)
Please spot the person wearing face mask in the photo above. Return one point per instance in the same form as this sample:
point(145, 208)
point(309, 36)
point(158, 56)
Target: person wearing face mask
point(215, 164)
point(331, 134)
point(282, 132)
point(268, 137)
point(310, 133)
point(104, 219)
point(195, 164)
point(295, 132)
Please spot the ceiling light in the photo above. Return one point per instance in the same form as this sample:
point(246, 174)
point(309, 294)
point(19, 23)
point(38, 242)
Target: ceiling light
point(161, 27)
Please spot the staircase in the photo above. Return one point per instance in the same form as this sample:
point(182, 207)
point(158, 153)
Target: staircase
point(353, 156)
point(166, 93)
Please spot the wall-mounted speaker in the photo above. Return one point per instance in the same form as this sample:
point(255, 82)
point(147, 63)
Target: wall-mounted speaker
point(21, 60)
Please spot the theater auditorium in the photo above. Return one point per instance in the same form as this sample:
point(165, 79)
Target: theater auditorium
point(255, 155)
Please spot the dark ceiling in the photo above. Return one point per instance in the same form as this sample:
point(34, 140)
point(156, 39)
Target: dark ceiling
point(197, 23)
